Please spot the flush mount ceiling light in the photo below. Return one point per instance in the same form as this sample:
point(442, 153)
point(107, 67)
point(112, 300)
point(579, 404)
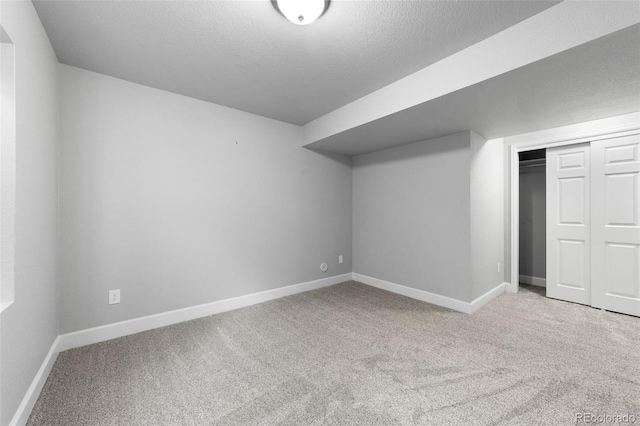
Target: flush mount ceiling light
point(301, 12)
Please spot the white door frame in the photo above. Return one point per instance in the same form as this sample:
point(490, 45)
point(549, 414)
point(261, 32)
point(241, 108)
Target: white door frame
point(628, 124)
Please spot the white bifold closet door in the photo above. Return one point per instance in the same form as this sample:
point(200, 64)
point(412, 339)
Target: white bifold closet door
point(593, 224)
point(615, 213)
point(568, 224)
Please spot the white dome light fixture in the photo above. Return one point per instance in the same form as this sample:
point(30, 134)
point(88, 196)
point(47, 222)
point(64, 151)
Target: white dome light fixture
point(301, 12)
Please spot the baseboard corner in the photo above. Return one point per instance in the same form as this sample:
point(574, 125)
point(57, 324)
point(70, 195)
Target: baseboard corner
point(433, 298)
point(490, 295)
point(29, 401)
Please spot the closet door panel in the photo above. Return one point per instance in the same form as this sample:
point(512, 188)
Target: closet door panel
point(568, 224)
point(616, 224)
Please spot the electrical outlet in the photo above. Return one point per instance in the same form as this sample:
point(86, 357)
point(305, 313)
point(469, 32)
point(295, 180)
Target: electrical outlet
point(499, 267)
point(340, 259)
point(114, 297)
point(324, 267)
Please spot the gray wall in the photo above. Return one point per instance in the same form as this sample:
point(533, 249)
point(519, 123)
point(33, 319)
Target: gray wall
point(30, 325)
point(411, 223)
point(533, 222)
point(179, 202)
point(487, 214)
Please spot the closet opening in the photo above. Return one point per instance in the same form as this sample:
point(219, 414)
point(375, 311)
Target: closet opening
point(532, 262)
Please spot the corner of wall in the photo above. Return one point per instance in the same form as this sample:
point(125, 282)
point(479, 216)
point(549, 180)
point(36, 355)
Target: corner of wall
point(487, 214)
point(30, 325)
point(411, 209)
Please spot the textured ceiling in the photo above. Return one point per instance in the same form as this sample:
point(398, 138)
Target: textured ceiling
point(244, 55)
point(592, 81)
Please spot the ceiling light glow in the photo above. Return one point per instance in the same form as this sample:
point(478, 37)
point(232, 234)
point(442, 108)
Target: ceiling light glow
point(301, 12)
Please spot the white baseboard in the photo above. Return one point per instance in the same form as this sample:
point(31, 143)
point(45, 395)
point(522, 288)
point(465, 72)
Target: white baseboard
point(125, 328)
point(482, 300)
point(24, 410)
point(527, 279)
point(137, 325)
point(435, 299)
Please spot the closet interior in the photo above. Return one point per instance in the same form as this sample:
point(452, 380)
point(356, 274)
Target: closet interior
point(532, 260)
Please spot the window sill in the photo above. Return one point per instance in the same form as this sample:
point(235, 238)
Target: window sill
point(4, 306)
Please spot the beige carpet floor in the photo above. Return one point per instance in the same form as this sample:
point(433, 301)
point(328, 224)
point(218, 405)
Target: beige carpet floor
point(355, 355)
